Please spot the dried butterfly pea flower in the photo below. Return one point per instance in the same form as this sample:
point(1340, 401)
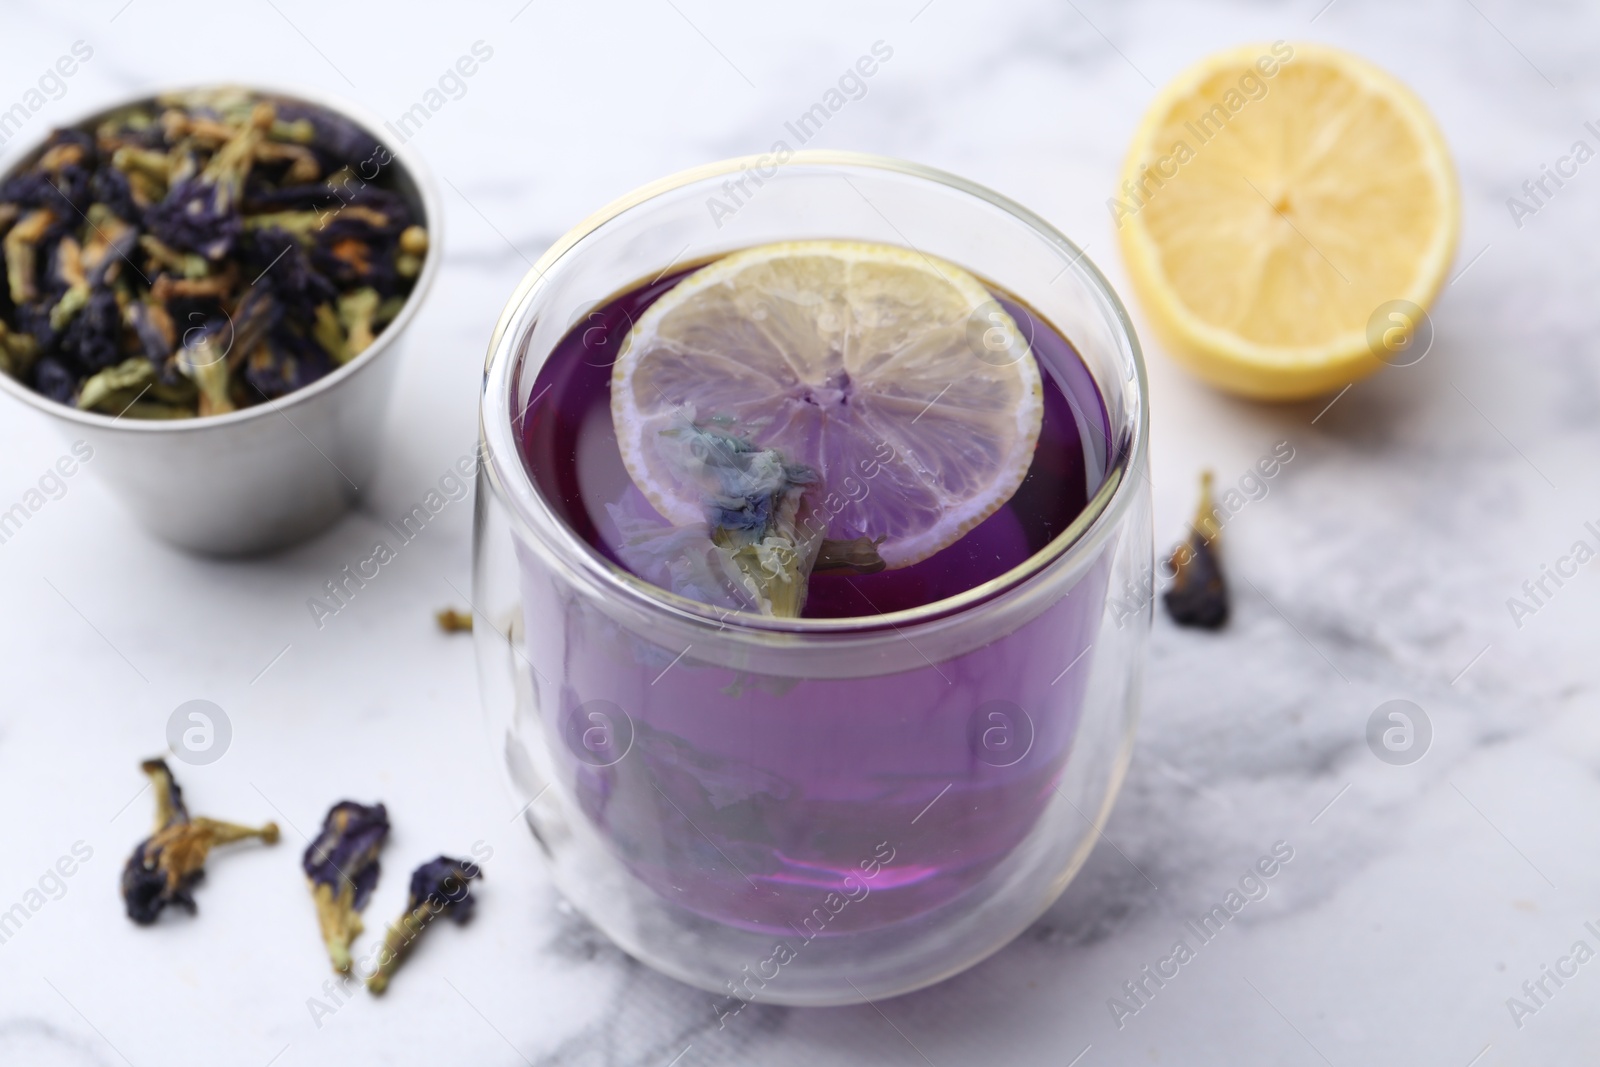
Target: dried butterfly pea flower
point(61, 155)
point(150, 163)
point(115, 387)
point(212, 286)
point(64, 192)
point(258, 313)
point(758, 511)
point(68, 270)
point(198, 213)
point(288, 360)
point(174, 262)
point(329, 334)
point(341, 866)
point(754, 503)
point(452, 621)
point(759, 544)
point(110, 189)
point(357, 311)
point(439, 887)
point(21, 249)
point(178, 124)
point(17, 352)
point(153, 327)
point(283, 268)
point(335, 139)
point(1198, 595)
point(106, 249)
point(203, 360)
point(54, 380)
point(155, 232)
point(166, 866)
point(92, 335)
point(413, 246)
point(303, 165)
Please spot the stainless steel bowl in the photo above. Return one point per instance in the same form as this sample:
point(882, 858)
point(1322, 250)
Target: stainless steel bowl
point(267, 476)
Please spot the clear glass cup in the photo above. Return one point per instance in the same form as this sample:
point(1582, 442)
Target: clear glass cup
point(813, 811)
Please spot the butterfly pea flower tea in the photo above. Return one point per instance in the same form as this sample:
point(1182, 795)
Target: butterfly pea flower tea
point(797, 532)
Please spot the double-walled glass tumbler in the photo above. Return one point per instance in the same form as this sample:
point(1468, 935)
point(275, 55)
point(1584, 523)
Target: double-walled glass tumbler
point(813, 810)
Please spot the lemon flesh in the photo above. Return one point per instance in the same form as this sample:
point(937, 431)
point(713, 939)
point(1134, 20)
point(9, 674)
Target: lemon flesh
point(853, 359)
point(1265, 219)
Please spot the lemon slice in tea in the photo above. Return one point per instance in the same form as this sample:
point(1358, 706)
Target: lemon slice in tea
point(894, 376)
point(1275, 202)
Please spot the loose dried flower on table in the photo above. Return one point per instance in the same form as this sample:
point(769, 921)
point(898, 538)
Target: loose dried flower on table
point(166, 866)
point(1198, 595)
point(341, 866)
point(438, 887)
point(452, 621)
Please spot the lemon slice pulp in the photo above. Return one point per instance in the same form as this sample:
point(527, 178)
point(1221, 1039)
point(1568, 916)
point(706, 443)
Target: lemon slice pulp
point(856, 360)
point(1274, 199)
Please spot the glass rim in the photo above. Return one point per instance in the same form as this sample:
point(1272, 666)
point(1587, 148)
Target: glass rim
point(529, 510)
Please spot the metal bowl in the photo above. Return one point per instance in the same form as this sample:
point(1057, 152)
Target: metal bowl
point(267, 476)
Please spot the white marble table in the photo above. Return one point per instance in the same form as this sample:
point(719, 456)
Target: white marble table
point(1419, 897)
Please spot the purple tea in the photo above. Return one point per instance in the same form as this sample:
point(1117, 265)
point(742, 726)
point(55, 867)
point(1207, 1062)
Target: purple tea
point(751, 800)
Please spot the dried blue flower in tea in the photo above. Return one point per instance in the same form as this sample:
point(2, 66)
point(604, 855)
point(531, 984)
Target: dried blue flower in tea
point(211, 252)
point(759, 544)
point(1198, 595)
point(452, 621)
point(438, 887)
point(167, 865)
point(341, 866)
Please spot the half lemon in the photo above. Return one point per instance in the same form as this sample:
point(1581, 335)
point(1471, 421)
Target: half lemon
point(1277, 198)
